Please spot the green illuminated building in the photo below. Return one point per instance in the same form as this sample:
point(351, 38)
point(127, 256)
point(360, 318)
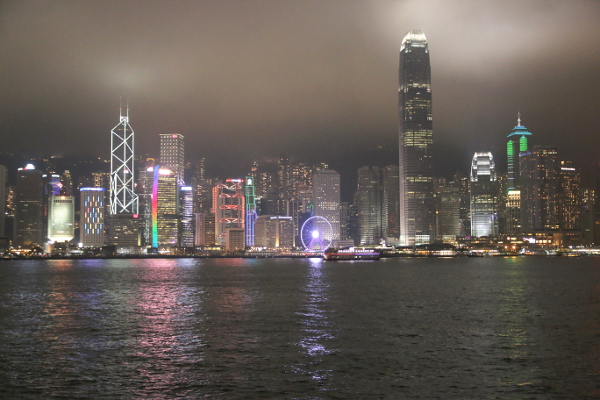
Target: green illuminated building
point(518, 142)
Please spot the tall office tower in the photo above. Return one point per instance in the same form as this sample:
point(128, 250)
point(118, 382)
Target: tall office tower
point(391, 203)
point(186, 234)
point(417, 216)
point(370, 224)
point(3, 177)
point(66, 184)
point(484, 196)
point(29, 207)
point(463, 185)
point(61, 218)
point(518, 142)
point(250, 210)
point(91, 217)
point(145, 190)
point(326, 198)
point(265, 182)
point(171, 154)
point(229, 206)
point(301, 180)
point(283, 178)
point(123, 199)
point(570, 197)
point(205, 229)
point(447, 212)
point(167, 207)
point(101, 179)
point(201, 171)
point(587, 216)
point(539, 171)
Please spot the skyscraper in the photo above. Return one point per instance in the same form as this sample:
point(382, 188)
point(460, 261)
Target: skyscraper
point(539, 169)
point(123, 199)
point(417, 206)
point(91, 222)
point(484, 196)
point(369, 195)
point(518, 142)
point(61, 218)
point(229, 205)
point(326, 198)
point(29, 208)
point(3, 176)
point(172, 154)
point(167, 207)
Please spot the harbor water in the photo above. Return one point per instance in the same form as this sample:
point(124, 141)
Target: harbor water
point(399, 328)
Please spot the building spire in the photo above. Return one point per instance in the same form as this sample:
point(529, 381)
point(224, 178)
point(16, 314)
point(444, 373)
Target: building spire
point(518, 116)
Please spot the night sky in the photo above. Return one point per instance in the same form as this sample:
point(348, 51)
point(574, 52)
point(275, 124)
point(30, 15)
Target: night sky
point(316, 80)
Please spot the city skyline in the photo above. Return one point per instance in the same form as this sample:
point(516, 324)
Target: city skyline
point(245, 80)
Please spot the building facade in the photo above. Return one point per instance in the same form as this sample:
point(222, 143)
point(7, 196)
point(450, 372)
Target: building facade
point(61, 218)
point(417, 205)
point(326, 198)
point(484, 196)
point(91, 220)
point(172, 154)
point(29, 208)
point(539, 173)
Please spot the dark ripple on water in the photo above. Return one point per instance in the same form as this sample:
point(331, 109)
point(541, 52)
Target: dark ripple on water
point(523, 328)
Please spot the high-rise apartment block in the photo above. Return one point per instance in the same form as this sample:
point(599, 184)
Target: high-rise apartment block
point(417, 205)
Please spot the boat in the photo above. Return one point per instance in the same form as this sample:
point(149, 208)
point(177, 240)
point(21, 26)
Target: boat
point(351, 254)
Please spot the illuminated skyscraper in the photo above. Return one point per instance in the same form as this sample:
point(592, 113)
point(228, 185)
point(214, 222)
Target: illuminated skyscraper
point(186, 234)
point(390, 201)
point(123, 199)
point(229, 205)
point(417, 206)
point(61, 218)
point(3, 176)
point(484, 196)
point(91, 222)
point(518, 142)
point(172, 154)
point(570, 196)
point(29, 208)
point(369, 196)
point(326, 198)
point(250, 210)
point(167, 207)
point(540, 170)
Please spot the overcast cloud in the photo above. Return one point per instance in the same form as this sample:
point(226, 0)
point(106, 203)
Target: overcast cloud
point(317, 80)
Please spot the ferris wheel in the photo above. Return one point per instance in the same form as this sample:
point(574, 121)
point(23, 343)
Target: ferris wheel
point(316, 234)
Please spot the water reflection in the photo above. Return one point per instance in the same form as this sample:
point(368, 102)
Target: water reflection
point(317, 330)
